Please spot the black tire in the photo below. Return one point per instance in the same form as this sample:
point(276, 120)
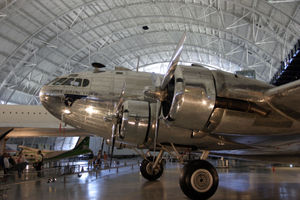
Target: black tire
point(148, 173)
point(199, 180)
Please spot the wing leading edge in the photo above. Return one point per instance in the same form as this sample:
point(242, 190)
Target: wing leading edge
point(285, 99)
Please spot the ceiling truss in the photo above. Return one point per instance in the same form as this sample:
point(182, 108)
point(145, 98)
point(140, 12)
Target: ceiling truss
point(45, 39)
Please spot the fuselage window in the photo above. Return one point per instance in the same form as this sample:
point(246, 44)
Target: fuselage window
point(68, 82)
point(60, 81)
point(77, 82)
point(85, 82)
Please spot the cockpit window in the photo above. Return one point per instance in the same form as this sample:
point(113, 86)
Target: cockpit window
point(68, 82)
point(85, 82)
point(77, 82)
point(52, 81)
point(60, 81)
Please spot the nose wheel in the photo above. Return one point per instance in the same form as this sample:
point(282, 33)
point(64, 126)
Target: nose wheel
point(199, 179)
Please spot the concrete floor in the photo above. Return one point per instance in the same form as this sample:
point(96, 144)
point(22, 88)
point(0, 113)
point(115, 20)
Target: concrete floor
point(235, 184)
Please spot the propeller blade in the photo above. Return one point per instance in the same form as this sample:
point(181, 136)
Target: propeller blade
point(158, 109)
point(121, 100)
point(113, 140)
point(173, 63)
point(116, 121)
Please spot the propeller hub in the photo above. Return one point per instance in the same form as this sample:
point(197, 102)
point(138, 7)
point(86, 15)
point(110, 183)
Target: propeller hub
point(159, 95)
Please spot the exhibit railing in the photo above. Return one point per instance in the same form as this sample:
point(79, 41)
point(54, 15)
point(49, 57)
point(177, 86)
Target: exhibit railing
point(63, 169)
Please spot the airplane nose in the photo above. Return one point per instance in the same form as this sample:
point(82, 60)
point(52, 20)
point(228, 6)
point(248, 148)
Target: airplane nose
point(51, 100)
point(42, 94)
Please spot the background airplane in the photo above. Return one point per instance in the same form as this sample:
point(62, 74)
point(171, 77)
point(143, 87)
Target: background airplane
point(81, 148)
point(32, 121)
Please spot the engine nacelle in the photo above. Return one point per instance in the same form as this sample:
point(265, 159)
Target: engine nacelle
point(191, 98)
point(136, 122)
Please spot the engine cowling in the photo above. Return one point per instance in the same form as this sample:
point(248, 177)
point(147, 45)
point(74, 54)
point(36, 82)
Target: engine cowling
point(191, 98)
point(136, 122)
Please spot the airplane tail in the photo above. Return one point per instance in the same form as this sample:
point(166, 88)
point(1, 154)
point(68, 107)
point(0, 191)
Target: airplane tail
point(82, 144)
point(81, 147)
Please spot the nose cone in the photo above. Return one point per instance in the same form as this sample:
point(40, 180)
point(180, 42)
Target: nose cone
point(42, 94)
point(51, 100)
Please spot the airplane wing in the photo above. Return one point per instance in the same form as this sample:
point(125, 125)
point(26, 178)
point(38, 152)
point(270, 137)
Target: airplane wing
point(33, 121)
point(285, 99)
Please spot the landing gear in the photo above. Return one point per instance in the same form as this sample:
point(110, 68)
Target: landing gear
point(199, 179)
point(149, 172)
point(151, 168)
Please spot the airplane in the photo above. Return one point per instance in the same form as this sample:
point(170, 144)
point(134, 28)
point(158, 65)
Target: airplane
point(190, 107)
point(81, 148)
point(32, 121)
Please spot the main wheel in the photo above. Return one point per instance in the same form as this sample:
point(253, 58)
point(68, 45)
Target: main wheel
point(199, 180)
point(147, 170)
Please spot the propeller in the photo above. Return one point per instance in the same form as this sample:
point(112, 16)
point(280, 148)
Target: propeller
point(116, 121)
point(158, 110)
point(160, 94)
point(173, 63)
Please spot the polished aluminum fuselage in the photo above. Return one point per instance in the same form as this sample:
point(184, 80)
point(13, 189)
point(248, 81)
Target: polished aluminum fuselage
point(225, 129)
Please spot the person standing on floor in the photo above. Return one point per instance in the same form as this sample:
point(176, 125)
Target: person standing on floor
point(20, 163)
point(6, 163)
point(105, 157)
point(2, 161)
point(39, 158)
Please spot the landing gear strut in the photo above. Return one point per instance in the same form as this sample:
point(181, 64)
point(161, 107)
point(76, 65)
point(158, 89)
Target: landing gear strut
point(151, 168)
point(199, 179)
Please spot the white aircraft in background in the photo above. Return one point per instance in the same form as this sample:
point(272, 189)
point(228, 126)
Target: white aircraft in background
point(189, 108)
point(32, 121)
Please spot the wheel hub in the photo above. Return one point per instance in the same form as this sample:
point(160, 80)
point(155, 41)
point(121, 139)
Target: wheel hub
point(201, 180)
point(150, 170)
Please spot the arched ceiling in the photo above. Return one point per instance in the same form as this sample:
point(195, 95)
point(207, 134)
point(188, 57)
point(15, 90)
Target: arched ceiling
point(42, 39)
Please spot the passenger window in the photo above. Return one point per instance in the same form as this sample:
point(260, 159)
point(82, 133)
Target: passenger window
point(68, 82)
point(77, 82)
point(85, 82)
point(60, 81)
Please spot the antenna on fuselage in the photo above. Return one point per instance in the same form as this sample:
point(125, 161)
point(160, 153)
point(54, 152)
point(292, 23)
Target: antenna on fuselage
point(97, 66)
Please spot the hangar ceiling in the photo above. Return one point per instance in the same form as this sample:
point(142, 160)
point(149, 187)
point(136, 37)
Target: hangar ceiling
point(42, 39)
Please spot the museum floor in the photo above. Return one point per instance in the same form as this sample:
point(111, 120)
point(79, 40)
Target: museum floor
point(238, 183)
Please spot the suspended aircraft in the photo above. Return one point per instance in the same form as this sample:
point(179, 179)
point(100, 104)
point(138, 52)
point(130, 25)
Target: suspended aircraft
point(190, 108)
